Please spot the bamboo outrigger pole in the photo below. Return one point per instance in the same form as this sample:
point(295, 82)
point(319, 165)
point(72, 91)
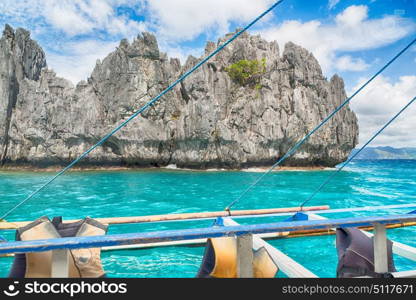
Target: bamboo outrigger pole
point(180, 217)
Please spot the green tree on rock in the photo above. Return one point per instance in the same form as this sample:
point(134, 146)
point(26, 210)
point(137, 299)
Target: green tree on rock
point(247, 72)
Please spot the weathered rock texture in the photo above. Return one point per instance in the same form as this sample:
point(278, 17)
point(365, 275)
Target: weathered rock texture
point(208, 121)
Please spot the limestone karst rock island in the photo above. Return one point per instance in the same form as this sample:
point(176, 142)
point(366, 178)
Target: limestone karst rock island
point(209, 121)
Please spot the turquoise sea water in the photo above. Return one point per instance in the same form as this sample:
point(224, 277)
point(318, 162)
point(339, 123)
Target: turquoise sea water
point(136, 193)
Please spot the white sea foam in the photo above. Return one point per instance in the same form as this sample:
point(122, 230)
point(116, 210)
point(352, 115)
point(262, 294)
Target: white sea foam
point(171, 167)
point(262, 170)
point(254, 170)
point(215, 170)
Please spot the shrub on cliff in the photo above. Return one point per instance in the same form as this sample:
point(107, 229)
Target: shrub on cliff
point(247, 72)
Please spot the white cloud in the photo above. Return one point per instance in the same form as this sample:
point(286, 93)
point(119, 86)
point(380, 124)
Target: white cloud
point(186, 19)
point(379, 102)
point(73, 33)
point(84, 16)
point(332, 4)
point(176, 51)
point(65, 23)
point(351, 31)
point(347, 63)
point(65, 16)
point(73, 17)
point(21, 10)
point(173, 21)
point(353, 15)
point(76, 60)
point(176, 21)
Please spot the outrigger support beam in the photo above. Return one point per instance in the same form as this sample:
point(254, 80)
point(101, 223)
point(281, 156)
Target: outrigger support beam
point(245, 256)
point(380, 249)
point(286, 264)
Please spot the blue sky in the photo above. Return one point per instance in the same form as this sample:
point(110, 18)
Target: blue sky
point(350, 38)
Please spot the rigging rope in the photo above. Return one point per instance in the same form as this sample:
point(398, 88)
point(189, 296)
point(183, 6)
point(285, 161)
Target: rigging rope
point(302, 141)
point(329, 178)
point(142, 109)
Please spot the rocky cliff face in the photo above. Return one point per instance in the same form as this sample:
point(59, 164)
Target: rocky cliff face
point(208, 121)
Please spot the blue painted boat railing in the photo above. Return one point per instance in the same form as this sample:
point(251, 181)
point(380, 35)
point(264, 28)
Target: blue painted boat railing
point(197, 233)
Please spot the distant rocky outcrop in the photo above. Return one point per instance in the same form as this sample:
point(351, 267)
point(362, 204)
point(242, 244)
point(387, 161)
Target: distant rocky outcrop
point(207, 121)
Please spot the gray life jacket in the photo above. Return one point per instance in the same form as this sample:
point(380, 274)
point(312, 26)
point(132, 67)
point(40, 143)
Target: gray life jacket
point(83, 263)
point(356, 254)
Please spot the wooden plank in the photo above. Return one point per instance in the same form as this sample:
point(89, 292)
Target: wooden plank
point(156, 245)
point(60, 263)
point(179, 217)
point(318, 232)
point(245, 256)
point(404, 274)
point(368, 208)
point(195, 242)
point(286, 264)
point(337, 210)
point(197, 233)
point(403, 250)
point(380, 249)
